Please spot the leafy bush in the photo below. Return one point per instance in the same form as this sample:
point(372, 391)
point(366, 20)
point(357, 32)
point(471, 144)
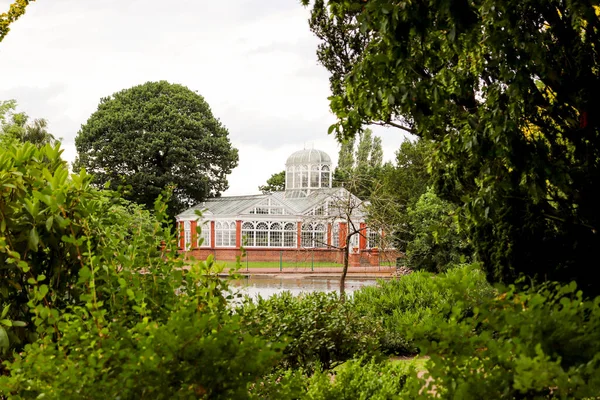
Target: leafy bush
point(354, 379)
point(52, 227)
point(437, 243)
point(420, 298)
point(540, 343)
point(357, 380)
point(317, 328)
point(193, 354)
point(101, 310)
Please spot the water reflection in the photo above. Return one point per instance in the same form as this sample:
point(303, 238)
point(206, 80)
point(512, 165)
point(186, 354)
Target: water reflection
point(267, 286)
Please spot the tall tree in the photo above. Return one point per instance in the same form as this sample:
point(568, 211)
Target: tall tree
point(508, 89)
point(376, 159)
point(16, 10)
point(275, 183)
point(363, 152)
point(155, 135)
point(359, 168)
point(400, 185)
point(345, 162)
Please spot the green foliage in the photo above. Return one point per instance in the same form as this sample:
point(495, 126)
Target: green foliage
point(98, 306)
point(16, 10)
point(52, 225)
point(275, 183)
point(193, 354)
point(155, 135)
point(507, 89)
point(437, 243)
point(354, 379)
point(400, 186)
point(319, 331)
point(541, 343)
point(289, 384)
point(16, 126)
point(401, 305)
point(357, 380)
point(359, 170)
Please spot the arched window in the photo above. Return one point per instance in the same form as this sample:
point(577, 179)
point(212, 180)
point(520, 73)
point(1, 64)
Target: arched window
point(248, 234)
point(325, 176)
point(289, 235)
point(204, 235)
point(262, 234)
point(314, 176)
point(225, 234)
point(314, 235)
point(373, 239)
point(275, 235)
point(304, 176)
point(187, 234)
point(269, 234)
point(289, 178)
point(297, 178)
point(335, 234)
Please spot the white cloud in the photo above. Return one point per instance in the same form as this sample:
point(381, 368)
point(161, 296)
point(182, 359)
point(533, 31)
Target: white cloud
point(254, 61)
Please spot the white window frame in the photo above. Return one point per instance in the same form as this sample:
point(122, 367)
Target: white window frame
point(273, 234)
point(225, 233)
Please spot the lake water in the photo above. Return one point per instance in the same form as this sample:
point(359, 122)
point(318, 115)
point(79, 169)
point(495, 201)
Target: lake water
point(267, 286)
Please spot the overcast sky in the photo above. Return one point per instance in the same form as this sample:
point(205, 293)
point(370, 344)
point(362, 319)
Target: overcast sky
point(253, 61)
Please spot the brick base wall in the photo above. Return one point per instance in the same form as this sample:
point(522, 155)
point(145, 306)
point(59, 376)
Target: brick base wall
point(365, 257)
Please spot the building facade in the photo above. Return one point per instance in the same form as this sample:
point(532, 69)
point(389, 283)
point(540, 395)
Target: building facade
point(309, 216)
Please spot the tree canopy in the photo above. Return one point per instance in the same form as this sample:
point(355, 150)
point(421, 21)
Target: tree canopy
point(508, 90)
point(275, 183)
point(155, 135)
point(359, 167)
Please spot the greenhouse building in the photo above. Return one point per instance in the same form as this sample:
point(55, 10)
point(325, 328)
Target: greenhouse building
point(308, 220)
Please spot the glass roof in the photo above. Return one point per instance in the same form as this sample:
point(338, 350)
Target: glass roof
point(308, 156)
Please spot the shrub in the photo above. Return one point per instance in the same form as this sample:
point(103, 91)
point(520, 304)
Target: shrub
point(317, 328)
point(101, 310)
point(52, 227)
point(437, 242)
point(357, 380)
point(540, 343)
point(193, 354)
point(352, 380)
point(419, 298)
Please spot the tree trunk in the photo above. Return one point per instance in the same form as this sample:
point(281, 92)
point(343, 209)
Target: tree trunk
point(345, 270)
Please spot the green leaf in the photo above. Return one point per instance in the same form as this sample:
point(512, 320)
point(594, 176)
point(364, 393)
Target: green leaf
point(49, 222)
point(4, 342)
point(34, 239)
point(42, 291)
point(5, 322)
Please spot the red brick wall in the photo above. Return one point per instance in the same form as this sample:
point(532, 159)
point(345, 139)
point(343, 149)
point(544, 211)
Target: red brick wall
point(290, 255)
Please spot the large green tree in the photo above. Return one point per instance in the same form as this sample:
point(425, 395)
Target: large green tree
point(509, 90)
point(155, 135)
